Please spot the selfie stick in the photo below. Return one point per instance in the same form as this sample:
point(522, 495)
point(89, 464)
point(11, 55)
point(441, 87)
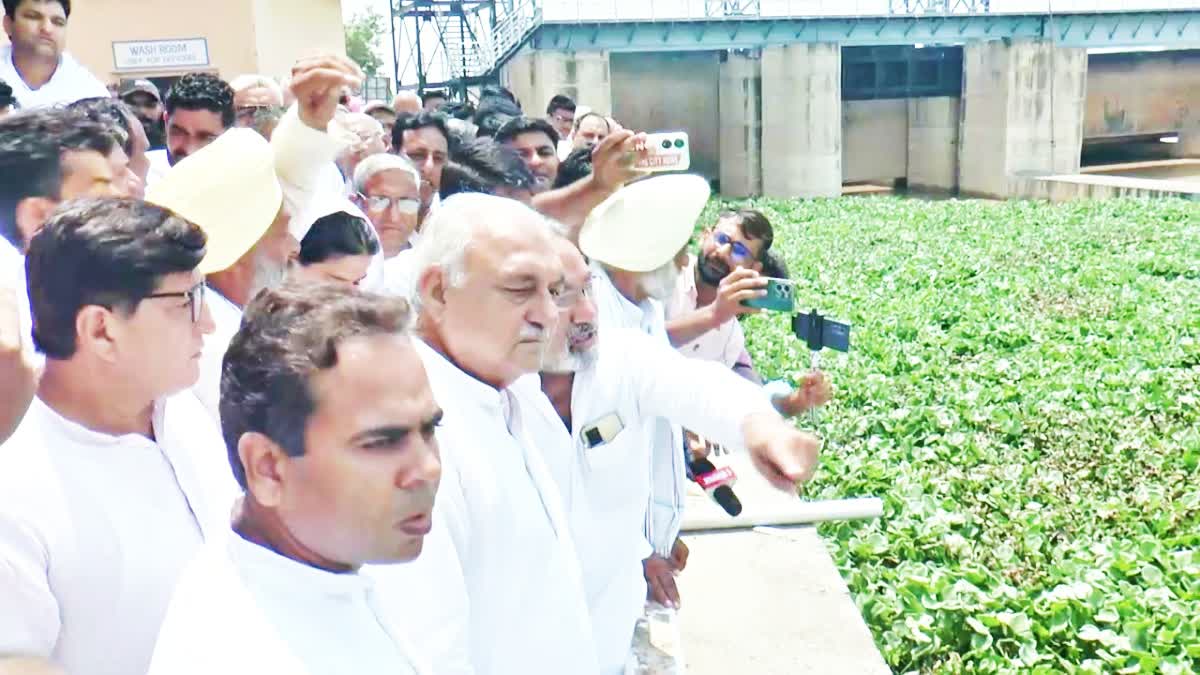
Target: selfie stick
point(820, 332)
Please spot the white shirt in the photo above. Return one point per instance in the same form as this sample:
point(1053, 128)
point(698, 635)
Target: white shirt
point(668, 472)
point(160, 164)
point(240, 608)
point(606, 487)
point(723, 344)
point(95, 530)
point(497, 589)
point(69, 83)
point(12, 278)
point(227, 318)
point(399, 275)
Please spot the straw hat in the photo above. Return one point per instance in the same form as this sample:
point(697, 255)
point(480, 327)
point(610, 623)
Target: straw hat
point(229, 189)
point(643, 225)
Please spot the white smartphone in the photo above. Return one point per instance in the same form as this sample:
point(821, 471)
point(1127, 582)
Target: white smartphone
point(666, 151)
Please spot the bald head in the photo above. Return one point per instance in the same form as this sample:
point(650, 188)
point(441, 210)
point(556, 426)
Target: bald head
point(488, 274)
point(407, 102)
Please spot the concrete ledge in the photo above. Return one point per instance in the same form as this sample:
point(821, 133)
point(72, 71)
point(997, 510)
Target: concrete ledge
point(1100, 186)
point(767, 601)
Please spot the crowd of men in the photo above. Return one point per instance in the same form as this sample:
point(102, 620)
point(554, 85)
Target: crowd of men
point(296, 385)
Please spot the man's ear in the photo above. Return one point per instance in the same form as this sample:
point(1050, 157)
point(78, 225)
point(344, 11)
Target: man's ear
point(431, 287)
point(265, 465)
point(8, 27)
point(32, 213)
point(97, 331)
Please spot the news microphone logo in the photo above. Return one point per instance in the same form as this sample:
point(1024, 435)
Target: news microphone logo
point(716, 482)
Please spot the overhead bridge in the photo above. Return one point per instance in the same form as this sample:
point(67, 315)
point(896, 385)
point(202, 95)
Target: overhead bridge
point(798, 97)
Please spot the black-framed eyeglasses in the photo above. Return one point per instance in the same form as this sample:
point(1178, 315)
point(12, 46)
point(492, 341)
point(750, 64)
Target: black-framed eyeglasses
point(740, 250)
point(194, 295)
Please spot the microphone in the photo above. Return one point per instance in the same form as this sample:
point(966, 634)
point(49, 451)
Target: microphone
point(716, 482)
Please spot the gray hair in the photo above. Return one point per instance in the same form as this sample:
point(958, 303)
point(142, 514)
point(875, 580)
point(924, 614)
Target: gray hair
point(450, 230)
point(375, 164)
point(251, 81)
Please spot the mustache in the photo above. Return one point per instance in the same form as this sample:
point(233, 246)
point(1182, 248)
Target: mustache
point(581, 332)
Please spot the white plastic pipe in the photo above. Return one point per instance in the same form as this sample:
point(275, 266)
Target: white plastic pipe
point(798, 513)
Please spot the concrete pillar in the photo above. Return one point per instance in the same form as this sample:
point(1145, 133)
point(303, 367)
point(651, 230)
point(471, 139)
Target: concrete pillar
point(933, 143)
point(1022, 114)
point(536, 75)
point(740, 108)
point(802, 120)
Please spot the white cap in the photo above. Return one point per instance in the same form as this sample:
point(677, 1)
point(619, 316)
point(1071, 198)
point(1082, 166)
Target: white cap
point(643, 225)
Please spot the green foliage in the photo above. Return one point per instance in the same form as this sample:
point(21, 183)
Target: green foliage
point(1023, 394)
point(363, 33)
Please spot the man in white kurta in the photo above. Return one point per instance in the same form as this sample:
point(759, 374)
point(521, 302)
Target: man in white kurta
point(243, 193)
point(281, 592)
point(501, 583)
point(603, 478)
point(111, 481)
point(35, 63)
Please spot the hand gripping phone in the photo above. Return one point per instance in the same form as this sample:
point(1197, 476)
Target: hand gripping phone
point(778, 298)
point(666, 151)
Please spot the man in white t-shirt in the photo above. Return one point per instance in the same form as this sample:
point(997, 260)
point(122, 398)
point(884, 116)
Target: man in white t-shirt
point(110, 483)
point(334, 449)
point(35, 65)
point(387, 189)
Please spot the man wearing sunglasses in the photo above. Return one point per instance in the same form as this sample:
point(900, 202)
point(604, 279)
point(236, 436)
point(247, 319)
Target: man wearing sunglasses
point(110, 483)
point(702, 316)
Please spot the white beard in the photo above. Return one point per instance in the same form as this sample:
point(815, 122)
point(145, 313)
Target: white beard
point(660, 284)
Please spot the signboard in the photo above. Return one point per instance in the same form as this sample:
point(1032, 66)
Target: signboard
point(160, 54)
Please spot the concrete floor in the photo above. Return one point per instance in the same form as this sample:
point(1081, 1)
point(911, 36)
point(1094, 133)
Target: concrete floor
point(767, 601)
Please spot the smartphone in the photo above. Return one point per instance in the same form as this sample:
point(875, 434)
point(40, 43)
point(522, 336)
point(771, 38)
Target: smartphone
point(819, 332)
point(666, 151)
point(778, 298)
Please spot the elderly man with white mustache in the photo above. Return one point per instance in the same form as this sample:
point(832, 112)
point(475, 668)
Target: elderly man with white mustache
point(605, 386)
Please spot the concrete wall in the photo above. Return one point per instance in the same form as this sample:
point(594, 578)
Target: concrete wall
point(672, 91)
point(802, 120)
point(1142, 93)
point(740, 108)
point(933, 125)
point(536, 76)
point(244, 36)
point(1022, 113)
point(874, 140)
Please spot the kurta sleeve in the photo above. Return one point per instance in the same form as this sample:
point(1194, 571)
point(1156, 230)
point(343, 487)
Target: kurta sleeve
point(29, 620)
point(703, 396)
point(301, 154)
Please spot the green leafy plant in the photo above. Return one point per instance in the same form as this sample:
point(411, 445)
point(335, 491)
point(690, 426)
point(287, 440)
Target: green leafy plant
point(1023, 394)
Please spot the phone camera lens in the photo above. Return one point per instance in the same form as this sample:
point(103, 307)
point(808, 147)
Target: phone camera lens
point(666, 145)
point(679, 142)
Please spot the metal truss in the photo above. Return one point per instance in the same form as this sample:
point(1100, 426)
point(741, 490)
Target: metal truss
point(1175, 29)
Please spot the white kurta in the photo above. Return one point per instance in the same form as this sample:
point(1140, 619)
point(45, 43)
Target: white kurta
point(399, 275)
point(668, 472)
point(95, 530)
point(227, 318)
point(69, 83)
point(497, 589)
point(606, 487)
point(241, 609)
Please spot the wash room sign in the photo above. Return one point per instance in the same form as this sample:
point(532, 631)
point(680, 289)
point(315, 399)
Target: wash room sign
point(160, 54)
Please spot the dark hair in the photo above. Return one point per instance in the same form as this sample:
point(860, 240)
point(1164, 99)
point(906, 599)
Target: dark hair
point(525, 125)
point(496, 91)
point(576, 166)
point(493, 112)
point(482, 165)
point(434, 93)
point(774, 266)
point(336, 235)
point(10, 7)
point(111, 112)
point(7, 100)
point(754, 225)
point(421, 120)
point(462, 110)
point(116, 251)
point(202, 91)
point(288, 335)
point(560, 102)
point(32, 144)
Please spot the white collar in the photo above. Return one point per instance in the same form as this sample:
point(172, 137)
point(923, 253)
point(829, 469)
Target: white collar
point(84, 436)
point(289, 576)
point(465, 385)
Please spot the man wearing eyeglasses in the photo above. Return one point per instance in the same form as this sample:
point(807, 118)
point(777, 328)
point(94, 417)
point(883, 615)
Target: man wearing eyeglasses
point(387, 189)
point(109, 485)
point(702, 315)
